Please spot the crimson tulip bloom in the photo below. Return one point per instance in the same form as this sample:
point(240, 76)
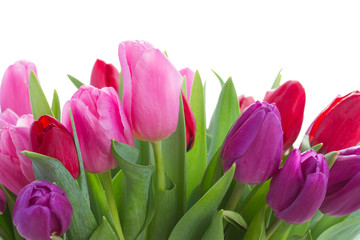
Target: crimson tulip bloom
point(290, 100)
point(14, 92)
point(49, 137)
point(298, 188)
point(190, 123)
point(42, 210)
point(338, 125)
point(105, 75)
point(151, 90)
point(244, 101)
point(343, 192)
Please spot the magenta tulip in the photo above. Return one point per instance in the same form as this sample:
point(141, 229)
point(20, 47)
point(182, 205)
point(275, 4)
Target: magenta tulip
point(151, 90)
point(42, 210)
point(14, 92)
point(99, 118)
point(244, 101)
point(49, 137)
point(105, 75)
point(189, 78)
point(190, 123)
point(2, 202)
point(15, 169)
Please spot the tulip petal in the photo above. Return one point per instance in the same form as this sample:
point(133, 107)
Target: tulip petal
point(308, 200)
point(156, 114)
point(62, 219)
point(8, 117)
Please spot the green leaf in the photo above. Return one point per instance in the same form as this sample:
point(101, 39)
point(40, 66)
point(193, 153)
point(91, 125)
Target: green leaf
point(82, 178)
point(276, 83)
point(220, 79)
point(195, 221)
point(174, 153)
point(317, 147)
point(83, 223)
point(306, 236)
point(226, 112)
point(76, 82)
point(348, 229)
point(325, 223)
point(6, 226)
point(121, 87)
point(331, 158)
point(280, 231)
point(55, 106)
point(183, 86)
point(39, 104)
point(300, 229)
point(104, 231)
point(196, 157)
point(257, 229)
point(138, 183)
point(145, 152)
point(212, 173)
point(215, 230)
point(235, 219)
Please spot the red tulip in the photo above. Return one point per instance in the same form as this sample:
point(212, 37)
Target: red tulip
point(290, 100)
point(337, 126)
point(49, 137)
point(244, 102)
point(190, 123)
point(105, 75)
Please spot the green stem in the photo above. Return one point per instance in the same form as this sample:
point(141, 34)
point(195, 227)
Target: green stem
point(159, 166)
point(272, 227)
point(3, 234)
point(235, 196)
point(109, 191)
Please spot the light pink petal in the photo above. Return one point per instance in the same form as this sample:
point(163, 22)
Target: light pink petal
point(8, 117)
point(25, 121)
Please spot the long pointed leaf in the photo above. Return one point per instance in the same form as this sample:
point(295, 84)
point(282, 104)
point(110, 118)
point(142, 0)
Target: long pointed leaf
point(55, 106)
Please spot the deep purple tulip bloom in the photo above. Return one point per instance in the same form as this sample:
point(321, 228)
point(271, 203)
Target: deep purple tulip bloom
point(254, 143)
point(343, 192)
point(42, 210)
point(2, 202)
point(298, 188)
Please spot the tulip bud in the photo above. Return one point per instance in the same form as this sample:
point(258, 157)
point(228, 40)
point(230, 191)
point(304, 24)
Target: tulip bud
point(244, 102)
point(189, 78)
point(15, 169)
point(343, 192)
point(254, 143)
point(99, 118)
point(42, 210)
point(338, 125)
point(14, 92)
point(190, 123)
point(49, 137)
point(151, 90)
point(105, 75)
point(290, 100)
point(298, 188)
point(2, 202)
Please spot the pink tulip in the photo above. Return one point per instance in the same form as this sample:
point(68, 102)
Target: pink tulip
point(99, 118)
point(15, 169)
point(105, 75)
point(14, 92)
point(189, 78)
point(244, 102)
point(151, 90)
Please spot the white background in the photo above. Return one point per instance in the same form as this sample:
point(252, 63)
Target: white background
point(315, 42)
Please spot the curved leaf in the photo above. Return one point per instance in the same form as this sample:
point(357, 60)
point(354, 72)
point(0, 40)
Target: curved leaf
point(215, 231)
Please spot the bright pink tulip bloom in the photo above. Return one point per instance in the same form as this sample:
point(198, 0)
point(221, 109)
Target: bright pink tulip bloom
point(14, 92)
point(189, 78)
point(15, 169)
point(244, 102)
point(151, 90)
point(2, 202)
point(105, 75)
point(99, 118)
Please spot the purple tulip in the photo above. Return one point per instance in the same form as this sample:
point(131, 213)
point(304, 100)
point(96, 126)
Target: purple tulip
point(15, 169)
point(254, 143)
point(298, 188)
point(42, 210)
point(14, 92)
point(151, 90)
point(343, 192)
point(99, 118)
point(2, 202)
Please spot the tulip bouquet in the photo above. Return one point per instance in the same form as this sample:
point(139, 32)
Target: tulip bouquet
point(119, 164)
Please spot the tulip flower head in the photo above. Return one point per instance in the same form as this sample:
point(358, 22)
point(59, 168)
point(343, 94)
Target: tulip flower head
point(105, 75)
point(290, 100)
point(49, 137)
point(244, 101)
point(343, 192)
point(151, 90)
point(14, 91)
point(254, 143)
point(15, 169)
point(298, 188)
point(190, 123)
point(42, 210)
point(99, 118)
point(338, 126)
